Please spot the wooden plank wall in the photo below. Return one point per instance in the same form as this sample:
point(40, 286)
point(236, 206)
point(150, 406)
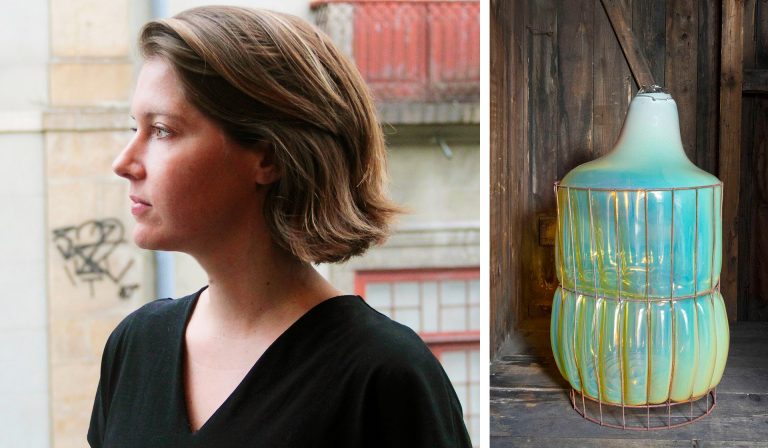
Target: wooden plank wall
point(754, 187)
point(573, 88)
point(729, 150)
point(507, 94)
point(501, 286)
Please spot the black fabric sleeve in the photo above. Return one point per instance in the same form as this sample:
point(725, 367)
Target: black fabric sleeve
point(109, 365)
point(98, 419)
point(411, 403)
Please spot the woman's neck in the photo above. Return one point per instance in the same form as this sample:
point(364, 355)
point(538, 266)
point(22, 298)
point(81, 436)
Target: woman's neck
point(256, 286)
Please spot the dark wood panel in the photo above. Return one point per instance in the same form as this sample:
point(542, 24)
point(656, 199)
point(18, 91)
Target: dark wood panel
point(525, 373)
point(620, 19)
point(681, 68)
point(730, 146)
point(575, 72)
point(499, 153)
point(761, 31)
point(755, 81)
point(612, 83)
point(749, 241)
point(757, 172)
point(503, 173)
point(521, 160)
point(708, 68)
point(649, 25)
point(749, 25)
point(746, 192)
point(543, 90)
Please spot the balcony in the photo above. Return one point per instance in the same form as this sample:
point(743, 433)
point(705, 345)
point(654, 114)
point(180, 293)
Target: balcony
point(421, 58)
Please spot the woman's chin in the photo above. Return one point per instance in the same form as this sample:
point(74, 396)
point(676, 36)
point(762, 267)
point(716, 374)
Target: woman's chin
point(146, 240)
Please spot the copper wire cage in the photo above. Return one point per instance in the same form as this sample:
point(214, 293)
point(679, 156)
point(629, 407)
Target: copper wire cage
point(612, 305)
point(642, 414)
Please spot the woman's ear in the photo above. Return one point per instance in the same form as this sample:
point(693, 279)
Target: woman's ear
point(266, 170)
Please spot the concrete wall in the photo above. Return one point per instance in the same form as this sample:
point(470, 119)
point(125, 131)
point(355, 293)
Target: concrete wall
point(440, 190)
point(23, 334)
point(95, 274)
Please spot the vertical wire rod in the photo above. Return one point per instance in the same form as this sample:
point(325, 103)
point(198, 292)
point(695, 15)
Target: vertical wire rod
point(561, 262)
point(697, 349)
point(649, 334)
point(671, 306)
point(576, 320)
point(712, 295)
point(592, 256)
point(619, 266)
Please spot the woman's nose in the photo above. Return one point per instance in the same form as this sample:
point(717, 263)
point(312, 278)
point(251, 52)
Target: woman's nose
point(128, 163)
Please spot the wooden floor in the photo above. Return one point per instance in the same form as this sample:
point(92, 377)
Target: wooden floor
point(530, 405)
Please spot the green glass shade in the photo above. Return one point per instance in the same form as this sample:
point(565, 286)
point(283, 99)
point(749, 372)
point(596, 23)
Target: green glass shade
point(638, 318)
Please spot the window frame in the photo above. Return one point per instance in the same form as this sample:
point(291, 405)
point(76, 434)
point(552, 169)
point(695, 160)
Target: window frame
point(363, 277)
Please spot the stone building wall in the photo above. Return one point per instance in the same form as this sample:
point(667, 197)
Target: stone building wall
point(95, 275)
point(24, 47)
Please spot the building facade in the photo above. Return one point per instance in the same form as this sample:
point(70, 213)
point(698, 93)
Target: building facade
point(70, 272)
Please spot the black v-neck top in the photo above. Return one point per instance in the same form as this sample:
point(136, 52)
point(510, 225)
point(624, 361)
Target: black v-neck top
point(343, 375)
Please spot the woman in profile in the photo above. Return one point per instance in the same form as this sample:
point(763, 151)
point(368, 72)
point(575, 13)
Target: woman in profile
point(257, 151)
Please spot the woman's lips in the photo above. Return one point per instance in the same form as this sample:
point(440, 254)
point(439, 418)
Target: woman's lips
point(139, 206)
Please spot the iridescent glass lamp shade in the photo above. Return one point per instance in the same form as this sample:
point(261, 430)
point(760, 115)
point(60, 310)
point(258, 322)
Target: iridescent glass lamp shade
point(638, 320)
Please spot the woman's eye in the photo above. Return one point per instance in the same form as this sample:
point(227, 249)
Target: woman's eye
point(159, 132)
point(133, 129)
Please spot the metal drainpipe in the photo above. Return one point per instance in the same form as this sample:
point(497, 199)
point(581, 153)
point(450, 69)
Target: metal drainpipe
point(164, 268)
point(159, 9)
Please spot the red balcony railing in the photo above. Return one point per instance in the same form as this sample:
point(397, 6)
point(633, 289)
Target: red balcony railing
point(410, 50)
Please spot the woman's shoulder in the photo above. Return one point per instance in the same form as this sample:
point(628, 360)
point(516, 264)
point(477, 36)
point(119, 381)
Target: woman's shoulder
point(398, 381)
point(375, 339)
point(154, 319)
point(355, 315)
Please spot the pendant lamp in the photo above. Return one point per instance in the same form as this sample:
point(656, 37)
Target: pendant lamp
point(638, 323)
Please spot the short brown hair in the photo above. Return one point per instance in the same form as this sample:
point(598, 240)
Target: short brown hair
point(268, 76)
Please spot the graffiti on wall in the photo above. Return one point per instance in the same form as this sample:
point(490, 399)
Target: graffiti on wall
point(88, 251)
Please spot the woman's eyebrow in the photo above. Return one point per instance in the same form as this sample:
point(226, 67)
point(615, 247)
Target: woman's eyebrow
point(155, 114)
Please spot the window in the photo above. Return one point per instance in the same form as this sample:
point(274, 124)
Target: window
point(462, 364)
point(443, 307)
point(418, 50)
